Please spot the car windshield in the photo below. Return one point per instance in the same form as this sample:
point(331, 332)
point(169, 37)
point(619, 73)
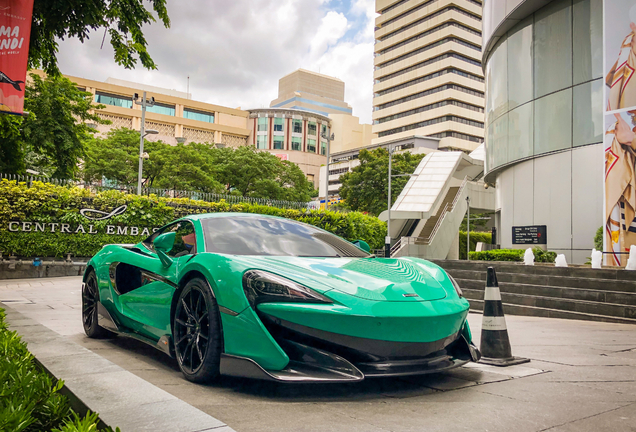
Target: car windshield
point(270, 236)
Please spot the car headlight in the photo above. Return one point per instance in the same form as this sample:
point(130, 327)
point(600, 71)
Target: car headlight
point(261, 286)
point(456, 285)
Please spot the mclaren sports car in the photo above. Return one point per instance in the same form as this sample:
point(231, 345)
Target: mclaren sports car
point(266, 297)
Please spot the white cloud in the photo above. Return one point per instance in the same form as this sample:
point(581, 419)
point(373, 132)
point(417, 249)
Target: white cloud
point(236, 51)
point(332, 27)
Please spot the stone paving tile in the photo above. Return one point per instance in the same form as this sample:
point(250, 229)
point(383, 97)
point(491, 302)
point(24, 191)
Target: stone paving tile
point(580, 370)
point(163, 415)
point(305, 418)
point(621, 419)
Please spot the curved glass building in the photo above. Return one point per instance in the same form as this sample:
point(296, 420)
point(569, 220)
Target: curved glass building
point(543, 64)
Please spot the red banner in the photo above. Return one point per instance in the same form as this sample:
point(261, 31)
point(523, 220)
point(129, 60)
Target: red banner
point(15, 29)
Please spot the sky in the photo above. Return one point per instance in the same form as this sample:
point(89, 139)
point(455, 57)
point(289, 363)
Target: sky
point(235, 51)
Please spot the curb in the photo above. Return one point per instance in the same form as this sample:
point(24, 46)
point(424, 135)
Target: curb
point(121, 398)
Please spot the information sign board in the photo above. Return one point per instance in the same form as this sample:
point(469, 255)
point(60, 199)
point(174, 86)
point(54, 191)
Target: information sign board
point(532, 234)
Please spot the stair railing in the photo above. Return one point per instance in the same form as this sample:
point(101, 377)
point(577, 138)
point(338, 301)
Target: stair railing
point(447, 209)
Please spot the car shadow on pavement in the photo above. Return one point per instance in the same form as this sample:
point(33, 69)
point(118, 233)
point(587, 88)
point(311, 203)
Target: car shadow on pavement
point(370, 388)
point(138, 357)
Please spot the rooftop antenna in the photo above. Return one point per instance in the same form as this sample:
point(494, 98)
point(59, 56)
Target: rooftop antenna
point(188, 88)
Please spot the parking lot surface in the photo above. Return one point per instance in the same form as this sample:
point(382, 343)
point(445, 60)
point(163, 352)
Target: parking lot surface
point(582, 377)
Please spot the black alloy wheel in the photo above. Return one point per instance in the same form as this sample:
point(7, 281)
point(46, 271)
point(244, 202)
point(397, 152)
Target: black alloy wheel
point(90, 298)
point(196, 332)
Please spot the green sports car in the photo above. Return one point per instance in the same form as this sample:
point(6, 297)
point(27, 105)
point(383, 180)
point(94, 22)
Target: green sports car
point(266, 297)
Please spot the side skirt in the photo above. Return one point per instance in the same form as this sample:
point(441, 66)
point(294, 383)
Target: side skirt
point(105, 320)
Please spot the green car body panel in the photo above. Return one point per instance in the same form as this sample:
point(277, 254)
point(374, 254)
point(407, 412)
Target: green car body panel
point(403, 300)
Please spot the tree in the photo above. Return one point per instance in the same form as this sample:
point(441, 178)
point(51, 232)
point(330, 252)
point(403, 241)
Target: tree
point(194, 167)
point(122, 19)
point(186, 167)
point(57, 128)
point(181, 167)
point(366, 187)
point(249, 172)
point(294, 184)
point(12, 148)
point(115, 157)
point(50, 139)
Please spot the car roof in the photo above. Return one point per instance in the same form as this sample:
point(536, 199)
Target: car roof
point(229, 214)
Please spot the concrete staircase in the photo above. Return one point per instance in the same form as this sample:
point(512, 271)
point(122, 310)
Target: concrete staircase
point(607, 295)
point(429, 226)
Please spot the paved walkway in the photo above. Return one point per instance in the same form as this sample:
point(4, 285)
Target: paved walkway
point(582, 378)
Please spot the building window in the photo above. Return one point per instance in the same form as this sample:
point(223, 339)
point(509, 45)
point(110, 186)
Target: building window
point(323, 130)
point(430, 122)
point(297, 126)
point(310, 177)
point(278, 124)
point(279, 142)
point(262, 124)
point(311, 128)
point(160, 108)
point(261, 141)
point(552, 48)
point(323, 147)
point(110, 99)
point(311, 145)
point(198, 115)
point(296, 143)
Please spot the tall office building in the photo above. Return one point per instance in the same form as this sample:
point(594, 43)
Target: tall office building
point(428, 74)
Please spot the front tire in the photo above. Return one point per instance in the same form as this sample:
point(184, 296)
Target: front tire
point(196, 332)
point(90, 300)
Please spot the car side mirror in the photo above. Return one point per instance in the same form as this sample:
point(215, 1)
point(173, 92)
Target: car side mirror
point(163, 244)
point(362, 245)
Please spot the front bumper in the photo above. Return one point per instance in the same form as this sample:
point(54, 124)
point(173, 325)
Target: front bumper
point(320, 356)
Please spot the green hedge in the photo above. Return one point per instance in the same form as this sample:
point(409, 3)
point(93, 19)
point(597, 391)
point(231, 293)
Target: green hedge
point(512, 255)
point(48, 203)
point(475, 237)
point(30, 398)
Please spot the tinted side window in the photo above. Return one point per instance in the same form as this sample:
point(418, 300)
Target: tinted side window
point(185, 239)
point(185, 242)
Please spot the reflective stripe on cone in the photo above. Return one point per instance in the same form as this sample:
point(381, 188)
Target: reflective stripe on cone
point(495, 344)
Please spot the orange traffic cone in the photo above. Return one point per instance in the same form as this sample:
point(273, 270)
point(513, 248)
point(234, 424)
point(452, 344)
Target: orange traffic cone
point(495, 344)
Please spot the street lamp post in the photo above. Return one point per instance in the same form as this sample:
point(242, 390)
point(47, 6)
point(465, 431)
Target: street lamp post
point(329, 138)
point(387, 240)
point(144, 103)
point(468, 228)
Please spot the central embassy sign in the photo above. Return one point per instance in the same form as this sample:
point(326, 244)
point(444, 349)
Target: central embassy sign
point(91, 214)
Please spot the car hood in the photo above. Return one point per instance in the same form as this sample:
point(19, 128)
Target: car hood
point(379, 279)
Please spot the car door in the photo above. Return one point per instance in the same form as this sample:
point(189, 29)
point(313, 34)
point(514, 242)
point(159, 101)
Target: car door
point(147, 301)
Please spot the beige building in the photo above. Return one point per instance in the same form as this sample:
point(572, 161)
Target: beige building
point(348, 133)
point(293, 135)
point(311, 91)
point(177, 117)
point(428, 78)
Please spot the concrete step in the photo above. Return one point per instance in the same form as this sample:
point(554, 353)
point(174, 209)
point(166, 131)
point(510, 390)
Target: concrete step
point(549, 280)
point(602, 296)
point(538, 269)
point(515, 309)
point(570, 305)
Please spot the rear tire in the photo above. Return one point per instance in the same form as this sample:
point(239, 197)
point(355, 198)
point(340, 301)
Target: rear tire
point(196, 332)
point(90, 299)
